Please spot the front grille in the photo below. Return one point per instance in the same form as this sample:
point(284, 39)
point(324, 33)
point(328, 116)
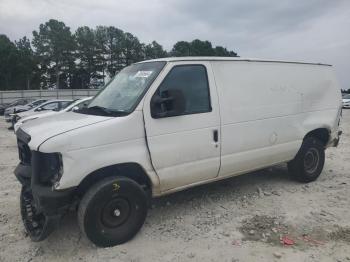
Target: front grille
point(23, 149)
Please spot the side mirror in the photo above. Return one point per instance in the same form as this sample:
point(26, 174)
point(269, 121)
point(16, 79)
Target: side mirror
point(75, 108)
point(168, 103)
point(38, 109)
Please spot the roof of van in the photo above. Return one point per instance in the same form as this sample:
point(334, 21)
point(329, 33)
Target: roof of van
point(218, 58)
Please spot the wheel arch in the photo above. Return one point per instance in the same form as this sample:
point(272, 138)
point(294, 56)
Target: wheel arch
point(130, 170)
point(323, 134)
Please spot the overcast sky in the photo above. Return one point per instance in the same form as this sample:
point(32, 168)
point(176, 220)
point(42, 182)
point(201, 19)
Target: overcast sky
point(307, 30)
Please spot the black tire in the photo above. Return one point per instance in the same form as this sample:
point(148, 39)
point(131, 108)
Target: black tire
point(112, 211)
point(309, 161)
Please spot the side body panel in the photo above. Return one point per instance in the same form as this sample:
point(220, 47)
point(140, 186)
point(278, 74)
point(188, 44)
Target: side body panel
point(267, 109)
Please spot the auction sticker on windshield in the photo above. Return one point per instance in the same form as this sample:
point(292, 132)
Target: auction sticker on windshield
point(143, 74)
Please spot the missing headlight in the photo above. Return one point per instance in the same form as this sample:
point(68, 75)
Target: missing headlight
point(51, 168)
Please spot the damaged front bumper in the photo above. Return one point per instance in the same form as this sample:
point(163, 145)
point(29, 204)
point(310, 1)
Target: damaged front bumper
point(41, 205)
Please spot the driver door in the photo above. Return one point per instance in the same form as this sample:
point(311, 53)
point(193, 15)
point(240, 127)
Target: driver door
point(185, 145)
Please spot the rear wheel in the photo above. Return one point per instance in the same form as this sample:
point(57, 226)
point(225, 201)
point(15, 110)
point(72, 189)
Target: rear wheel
point(112, 211)
point(308, 163)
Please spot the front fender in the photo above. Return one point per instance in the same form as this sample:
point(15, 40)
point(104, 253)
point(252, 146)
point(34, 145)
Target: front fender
point(87, 149)
point(77, 164)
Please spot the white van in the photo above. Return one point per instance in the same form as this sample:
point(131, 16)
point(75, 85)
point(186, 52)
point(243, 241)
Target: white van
point(164, 125)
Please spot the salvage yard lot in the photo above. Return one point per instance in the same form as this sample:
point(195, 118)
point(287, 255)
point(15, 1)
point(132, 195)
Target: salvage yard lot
point(239, 219)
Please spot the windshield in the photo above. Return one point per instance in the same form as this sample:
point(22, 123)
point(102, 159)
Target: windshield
point(121, 95)
point(346, 96)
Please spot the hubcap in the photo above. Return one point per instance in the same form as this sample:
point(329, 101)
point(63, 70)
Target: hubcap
point(115, 212)
point(311, 160)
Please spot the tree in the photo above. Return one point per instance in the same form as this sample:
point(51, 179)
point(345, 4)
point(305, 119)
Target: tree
point(54, 47)
point(154, 50)
point(109, 42)
point(132, 49)
point(26, 61)
point(87, 69)
point(8, 62)
point(221, 51)
point(181, 48)
point(84, 59)
point(199, 48)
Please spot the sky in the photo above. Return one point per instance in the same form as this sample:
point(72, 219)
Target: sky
point(301, 30)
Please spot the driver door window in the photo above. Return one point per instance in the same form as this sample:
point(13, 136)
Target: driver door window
point(192, 81)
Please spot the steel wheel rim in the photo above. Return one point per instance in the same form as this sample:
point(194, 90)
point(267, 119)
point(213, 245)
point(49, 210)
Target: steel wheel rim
point(311, 160)
point(115, 213)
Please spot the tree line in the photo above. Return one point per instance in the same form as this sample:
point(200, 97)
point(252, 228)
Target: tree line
point(58, 58)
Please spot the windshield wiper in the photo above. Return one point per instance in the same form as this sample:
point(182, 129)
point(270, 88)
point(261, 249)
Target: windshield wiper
point(100, 110)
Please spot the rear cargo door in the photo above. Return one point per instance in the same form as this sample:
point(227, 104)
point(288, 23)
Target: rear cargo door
point(185, 148)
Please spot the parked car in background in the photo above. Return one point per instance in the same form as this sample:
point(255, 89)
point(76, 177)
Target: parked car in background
point(346, 101)
point(31, 105)
point(9, 108)
point(49, 106)
point(3, 107)
point(76, 105)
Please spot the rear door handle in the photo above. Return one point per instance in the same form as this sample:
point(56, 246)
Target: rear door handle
point(216, 135)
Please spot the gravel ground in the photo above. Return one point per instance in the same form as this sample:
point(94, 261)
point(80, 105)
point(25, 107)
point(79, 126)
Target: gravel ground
point(240, 219)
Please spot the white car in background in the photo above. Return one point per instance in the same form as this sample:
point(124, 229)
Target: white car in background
point(346, 101)
point(49, 106)
point(12, 108)
point(76, 105)
point(22, 108)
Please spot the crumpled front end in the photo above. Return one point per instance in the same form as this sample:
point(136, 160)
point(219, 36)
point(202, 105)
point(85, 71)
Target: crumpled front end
point(41, 205)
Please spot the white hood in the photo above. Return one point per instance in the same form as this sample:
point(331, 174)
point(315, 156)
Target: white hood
point(25, 119)
point(42, 129)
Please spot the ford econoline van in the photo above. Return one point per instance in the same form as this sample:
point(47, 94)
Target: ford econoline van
point(165, 125)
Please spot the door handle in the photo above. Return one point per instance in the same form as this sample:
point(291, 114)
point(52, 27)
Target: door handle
point(215, 135)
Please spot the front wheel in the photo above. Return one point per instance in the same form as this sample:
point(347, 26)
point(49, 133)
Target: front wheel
point(308, 163)
point(112, 211)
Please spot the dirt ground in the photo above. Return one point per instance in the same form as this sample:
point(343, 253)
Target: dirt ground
point(261, 216)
